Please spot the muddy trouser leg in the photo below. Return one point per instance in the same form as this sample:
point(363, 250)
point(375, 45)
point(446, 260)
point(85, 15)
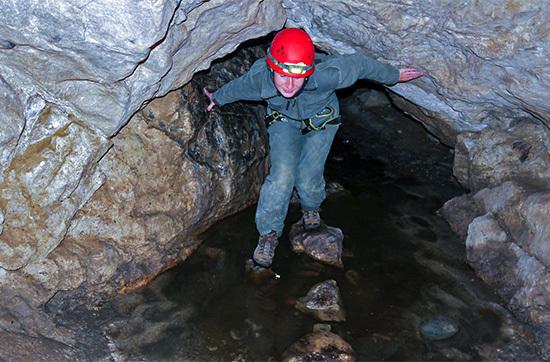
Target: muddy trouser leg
point(310, 181)
point(285, 145)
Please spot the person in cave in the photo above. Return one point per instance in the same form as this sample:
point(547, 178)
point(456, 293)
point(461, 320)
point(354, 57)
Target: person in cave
point(302, 117)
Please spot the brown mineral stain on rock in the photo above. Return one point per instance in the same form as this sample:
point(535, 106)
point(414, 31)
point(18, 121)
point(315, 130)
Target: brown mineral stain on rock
point(141, 283)
point(512, 6)
point(133, 285)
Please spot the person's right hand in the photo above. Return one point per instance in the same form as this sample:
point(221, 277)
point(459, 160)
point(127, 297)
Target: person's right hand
point(407, 74)
point(209, 95)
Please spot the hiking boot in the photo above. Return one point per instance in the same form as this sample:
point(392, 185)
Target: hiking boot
point(311, 219)
point(265, 250)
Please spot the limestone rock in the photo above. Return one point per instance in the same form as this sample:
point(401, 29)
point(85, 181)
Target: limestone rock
point(524, 214)
point(486, 61)
point(520, 279)
point(508, 245)
point(323, 244)
point(459, 213)
point(52, 174)
point(323, 301)
point(491, 157)
point(20, 347)
point(173, 171)
point(319, 346)
point(105, 59)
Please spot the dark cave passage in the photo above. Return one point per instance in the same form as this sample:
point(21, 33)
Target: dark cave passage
point(403, 266)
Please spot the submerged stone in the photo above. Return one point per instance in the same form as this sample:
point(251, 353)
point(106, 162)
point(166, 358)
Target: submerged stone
point(323, 244)
point(438, 329)
point(259, 275)
point(319, 346)
point(323, 302)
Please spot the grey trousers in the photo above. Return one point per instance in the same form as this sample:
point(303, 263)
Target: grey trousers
point(297, 160)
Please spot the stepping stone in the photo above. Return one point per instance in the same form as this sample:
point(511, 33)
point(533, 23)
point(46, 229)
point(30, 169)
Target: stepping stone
point(438, 329)
point(323, 244)
point(259, 275)
point(323, 302)
point(319, 346)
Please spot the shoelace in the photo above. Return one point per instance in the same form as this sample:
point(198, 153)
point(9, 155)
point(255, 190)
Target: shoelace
point(311, 216)
point(266, 245)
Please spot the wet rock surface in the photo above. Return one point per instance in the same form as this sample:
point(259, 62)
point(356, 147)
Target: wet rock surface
point(438, 329)
point(27, 348)
point(323, 302)
point(172, 171)
point(516, 199)
point(319, 346)
point(507, 243)
point(323, 244)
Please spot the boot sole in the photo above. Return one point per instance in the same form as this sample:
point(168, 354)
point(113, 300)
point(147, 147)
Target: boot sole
point(262, 265)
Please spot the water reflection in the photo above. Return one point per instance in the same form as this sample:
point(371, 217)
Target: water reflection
point(403, 267)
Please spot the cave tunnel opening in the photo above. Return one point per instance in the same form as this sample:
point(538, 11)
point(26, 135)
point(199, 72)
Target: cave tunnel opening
point(405, 287)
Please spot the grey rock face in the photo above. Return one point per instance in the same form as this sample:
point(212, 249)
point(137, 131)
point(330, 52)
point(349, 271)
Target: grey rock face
point(71, 75)
point(51, 174)
point(524, 213)
point(485, 61)
point(521, 279)
point(102, 60)
point(508, 245)
point(491, 157)
point(459, 213)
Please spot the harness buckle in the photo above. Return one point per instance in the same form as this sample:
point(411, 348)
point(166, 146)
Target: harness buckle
point(272, 118)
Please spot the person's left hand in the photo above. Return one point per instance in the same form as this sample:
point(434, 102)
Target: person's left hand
point(211, 103)
point(406, 74)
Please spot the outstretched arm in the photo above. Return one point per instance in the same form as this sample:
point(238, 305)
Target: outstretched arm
point(345, 70)
point(406, 74)
point(244, 88)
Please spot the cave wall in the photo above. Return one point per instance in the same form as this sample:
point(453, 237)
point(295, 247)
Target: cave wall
point(72, 75)
point(89, 204)
point(486, 60)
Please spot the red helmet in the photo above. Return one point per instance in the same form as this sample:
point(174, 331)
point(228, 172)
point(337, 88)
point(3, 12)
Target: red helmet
point(291, 53)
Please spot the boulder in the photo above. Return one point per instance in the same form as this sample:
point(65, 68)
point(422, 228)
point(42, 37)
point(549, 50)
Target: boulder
point(519, 278)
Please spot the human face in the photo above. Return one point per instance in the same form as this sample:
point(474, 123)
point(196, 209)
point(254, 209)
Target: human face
point(287, 86)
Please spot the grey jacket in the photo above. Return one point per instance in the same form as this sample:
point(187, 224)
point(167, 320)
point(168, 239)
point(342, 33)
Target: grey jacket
point(332, 72)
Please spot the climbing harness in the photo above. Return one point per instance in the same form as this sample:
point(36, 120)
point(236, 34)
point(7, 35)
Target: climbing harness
point(309, 123)
point(272, 118)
